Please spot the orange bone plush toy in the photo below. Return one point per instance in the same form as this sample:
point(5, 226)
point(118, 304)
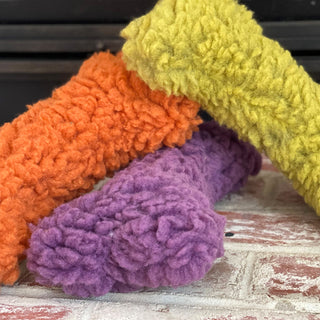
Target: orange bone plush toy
point(93, 125)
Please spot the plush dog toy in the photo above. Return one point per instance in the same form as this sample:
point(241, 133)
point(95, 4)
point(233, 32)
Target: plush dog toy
point(213, 52)
point(151, 225)
point(93, 125)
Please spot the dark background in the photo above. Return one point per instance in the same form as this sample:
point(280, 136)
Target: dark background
point(43, 42)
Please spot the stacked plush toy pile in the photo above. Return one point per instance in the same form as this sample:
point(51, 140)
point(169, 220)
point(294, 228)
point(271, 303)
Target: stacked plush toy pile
point(153, 224)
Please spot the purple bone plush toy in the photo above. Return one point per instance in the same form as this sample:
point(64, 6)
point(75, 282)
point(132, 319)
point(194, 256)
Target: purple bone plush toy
point(151, 225)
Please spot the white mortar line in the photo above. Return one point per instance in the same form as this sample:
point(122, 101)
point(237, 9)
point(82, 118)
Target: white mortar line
point(285, 249)
point(268, 211)
point(247, 276)
point(40, 296)
point(77, 307)
point(88, 311)
point(255, 303)
point(36, 292)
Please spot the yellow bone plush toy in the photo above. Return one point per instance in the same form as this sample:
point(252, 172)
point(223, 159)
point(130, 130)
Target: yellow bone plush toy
point(214, 52)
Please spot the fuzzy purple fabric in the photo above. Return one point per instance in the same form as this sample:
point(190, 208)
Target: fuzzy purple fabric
point(151, 225)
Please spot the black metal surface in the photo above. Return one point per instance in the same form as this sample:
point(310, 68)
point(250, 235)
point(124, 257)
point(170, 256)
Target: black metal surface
point(42, 43)
point(111, 11)
point(17, 92)
point(72, 11)
point(78, 38)
point(284, 10)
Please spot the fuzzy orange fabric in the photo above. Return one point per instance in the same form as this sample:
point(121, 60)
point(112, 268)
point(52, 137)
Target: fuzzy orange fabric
point(93, 125)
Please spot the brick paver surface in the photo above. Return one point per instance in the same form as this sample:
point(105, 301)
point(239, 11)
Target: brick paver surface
point(271, 270)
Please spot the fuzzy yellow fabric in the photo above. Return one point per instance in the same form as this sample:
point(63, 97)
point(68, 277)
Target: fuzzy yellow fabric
point(214, 52)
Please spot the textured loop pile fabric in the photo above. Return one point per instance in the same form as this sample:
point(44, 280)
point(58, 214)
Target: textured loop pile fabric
point(151, 225)
point(95, 124)
point(214, 52)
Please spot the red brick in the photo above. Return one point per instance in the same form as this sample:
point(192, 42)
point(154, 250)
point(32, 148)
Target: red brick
point(26, 278)
point(223, 280)
point(267, 165)
point(233, 318)
point(282, 229)
point(287, 275)
point(174, 311)
point(269, 192)
point(9, 312)
point(264, 315)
